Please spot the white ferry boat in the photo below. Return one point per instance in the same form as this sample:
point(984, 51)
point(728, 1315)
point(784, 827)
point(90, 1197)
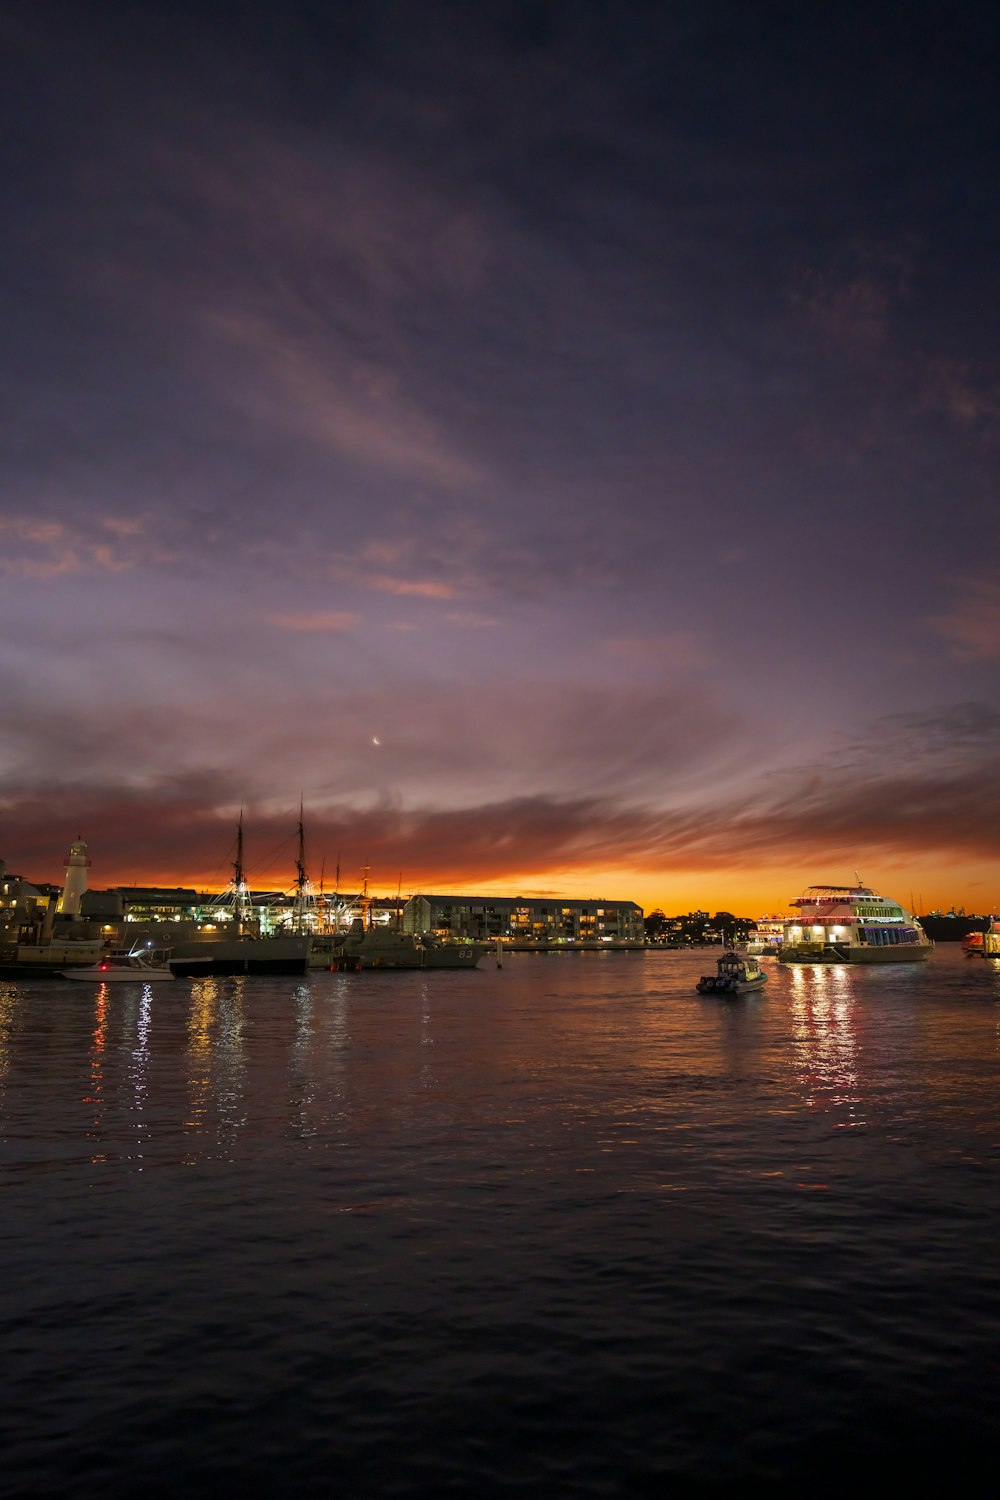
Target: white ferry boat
point(851, 924)
point(765, 936)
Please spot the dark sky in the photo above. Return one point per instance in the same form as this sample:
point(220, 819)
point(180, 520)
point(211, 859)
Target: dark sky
point(596, 406)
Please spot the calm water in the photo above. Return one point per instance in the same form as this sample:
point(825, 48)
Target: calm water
point(567, 1228)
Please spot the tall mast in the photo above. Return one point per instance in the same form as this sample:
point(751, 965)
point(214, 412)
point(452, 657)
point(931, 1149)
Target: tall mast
point(335, 907)
point(302, 901)
point(300, 863)
point(242, 904)
point(238, 861)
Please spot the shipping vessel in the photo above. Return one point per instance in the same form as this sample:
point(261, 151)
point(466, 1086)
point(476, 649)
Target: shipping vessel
point(48, 960)
point(765, 936)
point(247, 951)
point(388, 948)
point(242, 955)
point(851, 924)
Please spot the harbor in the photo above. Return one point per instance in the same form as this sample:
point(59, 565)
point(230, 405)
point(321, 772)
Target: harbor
point(499, 627)
point(513, 1226)
point(47, 929)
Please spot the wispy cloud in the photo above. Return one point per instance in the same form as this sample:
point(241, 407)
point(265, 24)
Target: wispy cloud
point(308, 389)
point(851, 311)
point(956, 387)
point(47, 549)
point(420, 588)
point(317, 622)
point(671, 650)
point(471, 621)
point(973, 624)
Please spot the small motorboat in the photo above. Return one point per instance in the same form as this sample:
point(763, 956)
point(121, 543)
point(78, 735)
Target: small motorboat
point(737, 974)
point(140, 966)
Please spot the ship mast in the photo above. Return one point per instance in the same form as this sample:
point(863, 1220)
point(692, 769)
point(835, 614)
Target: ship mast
point(239, 891)
point(303, 894)
point(336, 905)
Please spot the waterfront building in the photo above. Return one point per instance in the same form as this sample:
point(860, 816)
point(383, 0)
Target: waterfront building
point(21, 906)
point(543, 919)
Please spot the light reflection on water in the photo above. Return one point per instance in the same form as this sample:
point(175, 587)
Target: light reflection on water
point(302, 1081)
point(138, 1068)
point(10, 1004)
point(568, 1226)
point(204, 998)
point(95, 1097)
point(216, 1073)
point(826, 1045)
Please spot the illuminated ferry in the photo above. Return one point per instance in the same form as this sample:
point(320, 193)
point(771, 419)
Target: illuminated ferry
point(851, 924)
point(766, 935)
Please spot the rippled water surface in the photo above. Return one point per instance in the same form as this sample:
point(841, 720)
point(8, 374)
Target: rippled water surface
point(564, 1228)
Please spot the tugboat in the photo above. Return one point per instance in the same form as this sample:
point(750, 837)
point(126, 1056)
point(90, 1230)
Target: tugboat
point(736, 975)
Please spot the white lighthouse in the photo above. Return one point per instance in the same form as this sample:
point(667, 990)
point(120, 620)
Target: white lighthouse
point(77, 866)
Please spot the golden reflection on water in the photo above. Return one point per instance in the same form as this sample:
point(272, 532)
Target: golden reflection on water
point(825, 1038)
point(8, 1010)
point(230, 1056)
point(216, 1071)
point(98, 1043)
point(204, 995)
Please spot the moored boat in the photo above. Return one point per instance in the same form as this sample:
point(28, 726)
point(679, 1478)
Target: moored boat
point(48, 960)
point(765, 936)
point(389, 948)
point(852, 924)
point(248, 951)
point(242, 955)
point(114, 968)
point(735, 974)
